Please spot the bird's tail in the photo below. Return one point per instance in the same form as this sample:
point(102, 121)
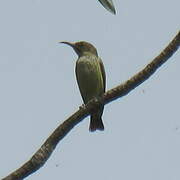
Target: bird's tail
point(96, 122)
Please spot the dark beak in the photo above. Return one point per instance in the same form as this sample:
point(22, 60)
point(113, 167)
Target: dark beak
point(73, 45)
point(68, 43)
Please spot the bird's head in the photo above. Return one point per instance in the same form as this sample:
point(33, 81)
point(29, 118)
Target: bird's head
point(82, 47)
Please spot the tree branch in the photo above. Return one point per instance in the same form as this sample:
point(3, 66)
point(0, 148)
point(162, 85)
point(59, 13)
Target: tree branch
point(42, 155)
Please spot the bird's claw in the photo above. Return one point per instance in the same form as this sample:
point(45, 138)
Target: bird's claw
point(82, 107)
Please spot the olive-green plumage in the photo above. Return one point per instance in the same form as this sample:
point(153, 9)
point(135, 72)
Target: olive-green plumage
point(91, 79)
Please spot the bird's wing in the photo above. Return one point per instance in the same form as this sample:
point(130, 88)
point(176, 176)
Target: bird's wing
point(103, 73)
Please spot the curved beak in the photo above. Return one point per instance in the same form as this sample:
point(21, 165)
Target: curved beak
point(68, 43)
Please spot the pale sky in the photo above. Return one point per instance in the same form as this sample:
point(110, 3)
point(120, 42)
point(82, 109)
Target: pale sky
point(38, 90)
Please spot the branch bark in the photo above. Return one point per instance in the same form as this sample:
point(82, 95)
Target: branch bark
point(42, 155)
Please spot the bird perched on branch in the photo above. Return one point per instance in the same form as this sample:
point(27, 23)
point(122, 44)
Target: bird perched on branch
point(108, 4)
point(91, 78)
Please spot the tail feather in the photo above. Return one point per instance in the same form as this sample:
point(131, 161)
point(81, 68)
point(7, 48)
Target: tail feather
point(96, 123)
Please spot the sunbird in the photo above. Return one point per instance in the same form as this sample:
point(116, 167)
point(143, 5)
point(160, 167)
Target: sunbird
point(91, 78)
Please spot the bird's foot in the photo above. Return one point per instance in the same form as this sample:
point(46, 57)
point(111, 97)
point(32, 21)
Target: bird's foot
point(97, 100)
point(82, 107)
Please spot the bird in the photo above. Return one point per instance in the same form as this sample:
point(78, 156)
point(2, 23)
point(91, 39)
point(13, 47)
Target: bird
point(91, 78)
point(108, 4)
